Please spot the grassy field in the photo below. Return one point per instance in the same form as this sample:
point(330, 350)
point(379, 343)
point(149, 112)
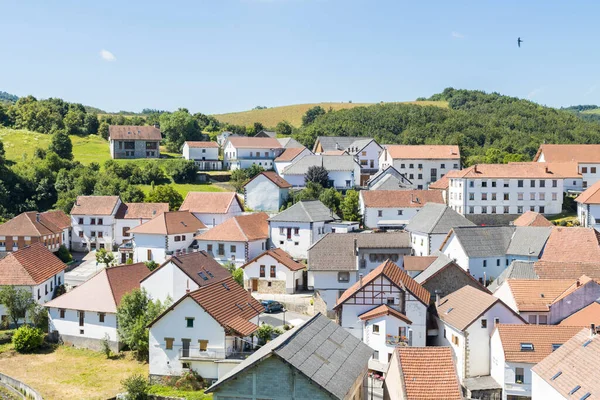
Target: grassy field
point(184, 188)
point(592, 111)
point(269, 117)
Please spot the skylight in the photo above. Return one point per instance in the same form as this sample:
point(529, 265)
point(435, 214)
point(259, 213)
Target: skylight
point(201, 274)
point(585, 396)
point(576, 388)
point(225, 286)
point(588, 342)
point(450, 309)
point(556, 375)
point(209, 273)
point(526, 346)
point(555, 346)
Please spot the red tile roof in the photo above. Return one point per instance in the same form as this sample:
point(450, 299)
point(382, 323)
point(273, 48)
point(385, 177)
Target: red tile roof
point(536, 294)
point(400, 198)
point(57, 218)
point(210, 203)
point(290, 153)
point(574, 244)
point(202, 144)
point(243, 228)
point(141, 210)
point(243, 142)
point(566, 269)
point(444, 181)
point(133, 132)
point(417, 263)
point(198, 266)
point(94, 205)
point(381, 311)
point(26, 224)
point(424, 152)
point(124, 278)
point(171, 223)
point(273, 177)
point(531, 218)
point(530, 170)
point(281, 256)
point(584, 317)
point(29, 266)
point(591, 195)
point(583, 153)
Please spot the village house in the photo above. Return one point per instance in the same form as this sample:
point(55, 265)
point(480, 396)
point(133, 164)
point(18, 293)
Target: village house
point(295, 229)
point(134, 141)
point(267, 191)
point(394, 208)
point(421, 164)
point(265, 133)
point(465, 320)
point(52, 228)
point(587, 157)
point(588, 207)
point(167, 234)
point(289, 156)
point(569, 171)
point(92, 221)
point(588, 315)
point(243, 152)
point(426, 373)
point(572, 244)
point(569, 372)
point(443, 184)
point(385, 309)
point(343, 170)
point(204, 154)
point(237, 240)
point(274, 271)
point(317, 360)
point(131, 215)
point(212, 208)
point(33, 268)
point(515, 349)
point(414, 265)
point(506, 189)
point(388, 179)
point(87, 315)
point(531, 218)
point(430, 226)
point(202, 330)
point(181, 274)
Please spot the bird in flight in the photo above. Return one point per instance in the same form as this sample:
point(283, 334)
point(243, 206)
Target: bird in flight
point(519, 41)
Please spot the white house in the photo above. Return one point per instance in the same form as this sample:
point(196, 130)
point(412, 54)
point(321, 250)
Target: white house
point(165, 235)
point(237, 240)
point(394, 208)
point(515, 349)
point(33, 268)
point(289, 156)
point(588, 207)
point(202, 330)
point(267, 191)
point(212, 208)
point(204, 154)
point(131, 215)
point(388, 179)
point(87, 315)
point(430, 226)
point(506, 189)
point(242, 152)
point(385, 309)
point(52, 228)
point(295, 229)
point(274, 271)
point(587, 157)
point(181, 274)
point(92, 221)
point(421, 164)
point(465, 321)
point(343, 171)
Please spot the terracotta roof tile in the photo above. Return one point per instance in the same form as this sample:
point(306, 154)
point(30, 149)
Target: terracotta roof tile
point(133, 132)
point(400, 198)
point(94, 205)
point(243, 142)
point(202, 144)
point(141, 210)
point(583, 153)
point(566, 269)
point(542, 337)
point(281, 256)
point(170, 223)
point(424, 152)
point(26, 224)
point(273, 177)
point(591, 195)
point(518, 170)
point(531, 218)
point(444, 181)
point(536, 294)
point(29, 266)
point(563, 169)
point(57, 218)
point(123, 279)
point(209, 203)
point(585, 317)
point(381, 311)
point(574, 244)
point(242, 228)
point(290, 153)
point(199, 266)
point(417, 263)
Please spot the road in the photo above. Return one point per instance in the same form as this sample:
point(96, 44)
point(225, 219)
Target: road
point(276, 318)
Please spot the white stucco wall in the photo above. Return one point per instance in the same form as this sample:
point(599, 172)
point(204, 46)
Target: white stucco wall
point(159, 245)
point(234, 252)
point(168, 281)
point(371, 216)
point(84, 243)
point(297, 246)
point(92, 327)
point(261, 194)
point(420, 177)
point(213, 219)
point(234, 158)
point(200, 153)
point(541, 390)
point(282, 273)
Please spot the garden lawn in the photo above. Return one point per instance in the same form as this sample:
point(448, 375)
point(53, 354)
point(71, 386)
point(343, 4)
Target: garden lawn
point(184, 188)
point(186, 394)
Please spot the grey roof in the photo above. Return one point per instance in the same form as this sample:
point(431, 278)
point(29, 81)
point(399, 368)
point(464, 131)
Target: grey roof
point(434, 267)
point(331, 163)
point(332, 143)
point(484, 241)
point(288, 143)
point(516, 270)
point(321, 350)
point(264, 133)
point(384, 173)
point(306, 211)
point(436, 218)
point(529, 241)
point(335, 251)
point(389, 182)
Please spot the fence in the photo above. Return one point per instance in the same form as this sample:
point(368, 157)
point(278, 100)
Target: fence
point(27, 391)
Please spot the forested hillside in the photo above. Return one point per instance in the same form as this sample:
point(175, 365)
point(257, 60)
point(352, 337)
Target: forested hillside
point(7, 97)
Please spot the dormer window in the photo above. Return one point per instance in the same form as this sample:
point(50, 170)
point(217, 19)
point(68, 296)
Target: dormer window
point(527, 347)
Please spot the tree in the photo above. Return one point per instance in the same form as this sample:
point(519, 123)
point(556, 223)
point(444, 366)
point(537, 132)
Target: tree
point(136, 386)
point(103, 130)
point(182, 171)
point(311, 115)
point(27, 339)
point(238, 276)
point(238, 179)
point(317, 174)
point(349, 206)
point(91, 124)
point(332, 199)
point(16, 302)
point(64, 254)
point(253, 170)
point(61, 145)
point(284, 128)
point(73, 121)
point(179, 127)
point(151, 265)
point(165, 194)
point(105, 257)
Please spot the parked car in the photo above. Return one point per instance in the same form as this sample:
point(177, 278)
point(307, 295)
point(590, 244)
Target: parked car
point(272, 305)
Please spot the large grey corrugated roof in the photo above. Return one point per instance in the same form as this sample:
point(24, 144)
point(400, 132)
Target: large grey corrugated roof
point(516, 270)
point(332, 143)
point(335, 251)
point(434, 267)
point(321, 350)
point(484, 241)
point(436, 218)
point(306, 211)
point(330, 163)
point(529, 241)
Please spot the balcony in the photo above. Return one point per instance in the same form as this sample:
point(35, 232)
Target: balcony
point(195, 354)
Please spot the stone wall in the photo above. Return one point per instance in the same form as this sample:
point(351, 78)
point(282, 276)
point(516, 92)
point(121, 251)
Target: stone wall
point(321, 307)
point(448, 281)
point(87, 343)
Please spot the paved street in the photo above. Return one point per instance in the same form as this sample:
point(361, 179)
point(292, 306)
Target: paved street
point(276, 318)
point(84, 271)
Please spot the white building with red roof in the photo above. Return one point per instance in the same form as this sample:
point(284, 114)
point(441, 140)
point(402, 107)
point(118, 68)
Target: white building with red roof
point(243, 152)
point(131, 215)
point(50, 228)
point(267, 191)
point(586, 156)
point(204, 154)
point(212, 208)
point(289, 156)
point(274, 271)
point(93, 222)
point(588, 207)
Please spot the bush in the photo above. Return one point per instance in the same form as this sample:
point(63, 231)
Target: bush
point(182, 171)
point(136, 386)
point(152, 265)
point(38, 315)
point(64, 254)
point(59, 291)
point(190, 380)
point(27, 339)
point(106, 346)
point(264, 333)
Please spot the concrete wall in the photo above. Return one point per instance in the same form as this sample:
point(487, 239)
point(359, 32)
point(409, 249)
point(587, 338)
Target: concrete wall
point(261, 194)
point(118, 150)
point(449, 280)
point(90, 335)
point(283, 282)
point(20, 387)
point(297, 246)
point(574, 302)
point(168, 281)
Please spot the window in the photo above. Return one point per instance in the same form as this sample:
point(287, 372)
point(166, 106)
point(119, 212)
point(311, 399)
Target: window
point(471, 196)
point(273, 272)
point(185, 365)
point(493, 196)
point(455, 340)
point(584, 184)
point(62, 312)
point(402, 166)
point(411, 165)
point(484, 210)
point(484, 323)
point(520, 210)
point(542, 183)
point(100, 221)
point(507, 196)
point(542, 196)
point(376, 355)
point(483, 183)
point(379, 213)
point(182, 237)
point(442, 165)
point(390, 300)
point(497, 262)
point(100, 234)
point(266, 154)
point(493, 183)
point(169, 343)
point(483, 196)
point(189, 322)
point(101, 317)
point(411, 176)
point(554, 183)
point(455, 166)
point(519, 375)
point(203, 344)
point(471, 183)
point(209, 248)
point(46, 289)
point(282, 231)
point(532, 183)
point(584, 170)
point(344, 276)
point(527, 347)
point(542, 319)
point(485, 263)
point(399, 212)
point(493, 209)
point(496, 321)
point(520, 183)
point(262, 271)
point(375, 328)
point(296, 231)
point(532, 196)
point(125, 231)
point(348, 183)
point(555, 346)
point(554, 196)
point(520, 196)
point(420, 176)
point(576, 388)
point(178, 238)
point(80, 234)
point(420, 166)
point(532, 319)
point(92, 221)
point(221, 249)
point(471, 210)
point(93, 233)
point(542, 209)
point(232, 248)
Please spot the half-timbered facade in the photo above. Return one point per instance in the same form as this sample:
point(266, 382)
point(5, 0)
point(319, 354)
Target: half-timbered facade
point(385, 309)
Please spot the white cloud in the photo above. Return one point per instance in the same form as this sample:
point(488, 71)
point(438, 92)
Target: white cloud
point(535, 92)
point(457, 35)
point(107, 55)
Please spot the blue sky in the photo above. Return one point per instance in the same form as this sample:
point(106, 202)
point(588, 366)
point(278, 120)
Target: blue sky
point(231, 55)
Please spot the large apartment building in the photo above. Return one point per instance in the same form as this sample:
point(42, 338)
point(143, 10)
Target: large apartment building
point(586, 156)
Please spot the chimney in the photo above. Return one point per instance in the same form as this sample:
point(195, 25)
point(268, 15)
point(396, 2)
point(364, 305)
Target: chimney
point(360, 276)
point(475, 168)
point(411, 198)
point(437, 298)
point(37, 217)
point(547, 169)
point(592, 329)
point(578, 283)
point(355, 246)
point(156, 126)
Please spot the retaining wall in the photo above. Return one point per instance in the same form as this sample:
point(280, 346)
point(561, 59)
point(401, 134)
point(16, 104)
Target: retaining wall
point(26, 390)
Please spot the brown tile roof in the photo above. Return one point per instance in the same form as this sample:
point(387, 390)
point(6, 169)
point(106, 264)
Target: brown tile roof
point(134, 132)
point(243, 142)
point(563, 169)
point(400, 198)
point(381, 311)
point(209, 203)
point(290, 153)
point(462, 307)
point(273, 177)
point(394, 274)
point(591, 195)
point(428, 373)
point(26, 224)
point(57, 218)
point(517, 170)
point(425, 152)
point(566, 270)
point(334, 153)
point(94, 205)
point(242, 228)
point(202, 144)
point(417, 263)
point(171, 223)
point(531, 218)
point(198, 266)
point(542, 337)
point(141, 210)
point(123, 279)
point(536, 294)
point(585, 317)
point(583, 153)
point(577, 363)
point(444, 181)
point(29, 266)
point(573, 244)
point(281, 256)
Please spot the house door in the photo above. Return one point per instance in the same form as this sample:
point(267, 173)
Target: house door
point(185, 347)
point(289, 233)
point(123, 258)
point(255, 285)
point(304, 280)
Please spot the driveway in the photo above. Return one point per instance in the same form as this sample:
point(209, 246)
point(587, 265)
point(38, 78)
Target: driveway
point(84, 271)
point(276, 319)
